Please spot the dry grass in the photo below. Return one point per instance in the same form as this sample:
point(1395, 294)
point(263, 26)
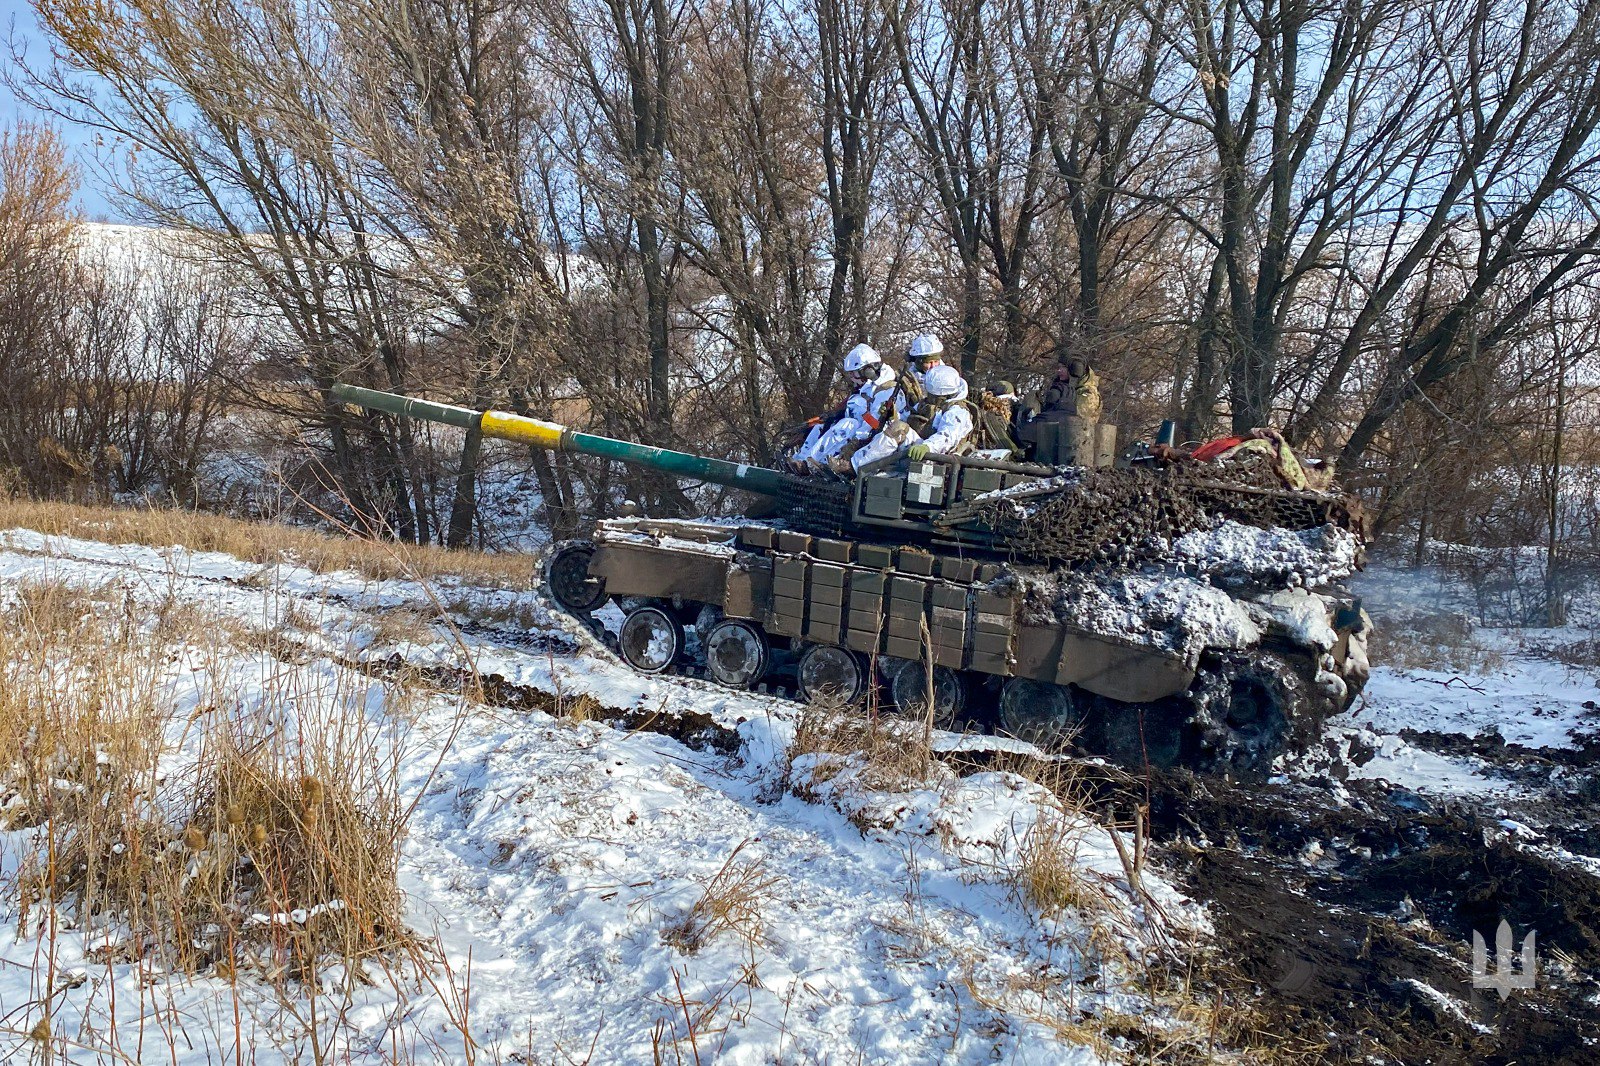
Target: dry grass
point(889, 754)
point(402, 625)
point(268, 542)
point(731, 903)
point(1048, 876)
point(257, 833)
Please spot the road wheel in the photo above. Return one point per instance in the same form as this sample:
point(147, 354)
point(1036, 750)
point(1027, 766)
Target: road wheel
point(1146, 735)
point(832, 676)
point(909, 687)
point(567, 578)
point(651, 639)
point(736, 653)
point(1051, 716)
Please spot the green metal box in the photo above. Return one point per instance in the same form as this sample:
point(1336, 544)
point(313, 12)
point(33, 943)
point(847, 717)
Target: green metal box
point(833, 551)
point(877, 555)
point(789, 541)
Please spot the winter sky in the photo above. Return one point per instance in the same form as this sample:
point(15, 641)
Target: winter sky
point(23, 37)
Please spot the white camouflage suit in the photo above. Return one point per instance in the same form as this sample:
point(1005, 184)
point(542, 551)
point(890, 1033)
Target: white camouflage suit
point(860, 420)
point(949, 428)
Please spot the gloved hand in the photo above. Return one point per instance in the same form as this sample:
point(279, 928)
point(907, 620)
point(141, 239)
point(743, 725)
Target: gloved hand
point(918, 452)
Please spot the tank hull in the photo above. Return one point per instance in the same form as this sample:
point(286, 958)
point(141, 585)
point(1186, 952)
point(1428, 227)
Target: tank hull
point(976, 619)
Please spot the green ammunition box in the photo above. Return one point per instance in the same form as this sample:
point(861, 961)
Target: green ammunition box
point(834, 551)
point(999, 625)
point(954, 569)
point(991, 644)
point(866, 583)
point(832, 576)
point(884, 485)
point(824, 634)
point(877, 555)
point(861, 640)
point(991, 603)
point(789, 541)
point(925, 484)
point(787, 616)
point(883, 496)
point(827, 594)
point(950, 657)
point(756, 536)
point(977, 482)
point(866, 601)
point(990, 664)
point(793, 569)
point(878, 507)
point(989, 571)
point(905, 628)
point(871, 621)
point(789, 588)
point(829, 613)
point(945, 618)
point(953, 597)
point(901, 648)
point(915, 562)
point(908, 589)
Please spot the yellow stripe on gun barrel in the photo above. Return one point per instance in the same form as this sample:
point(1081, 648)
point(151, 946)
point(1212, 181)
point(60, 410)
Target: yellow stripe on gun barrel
point(521, 428)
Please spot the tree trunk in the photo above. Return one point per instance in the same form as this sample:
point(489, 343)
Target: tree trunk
point(464, 503)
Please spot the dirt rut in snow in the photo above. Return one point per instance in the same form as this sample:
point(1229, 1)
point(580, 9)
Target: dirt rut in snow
point(1345, 917)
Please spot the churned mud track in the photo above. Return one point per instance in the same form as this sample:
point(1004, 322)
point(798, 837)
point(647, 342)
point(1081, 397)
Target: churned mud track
point(1344, 914)
point(1347, 917)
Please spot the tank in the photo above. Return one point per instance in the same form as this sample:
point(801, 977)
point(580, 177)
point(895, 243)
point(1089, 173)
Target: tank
point(1157, 612)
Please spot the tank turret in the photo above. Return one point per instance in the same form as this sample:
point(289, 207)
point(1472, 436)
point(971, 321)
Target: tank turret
point(1157, 612)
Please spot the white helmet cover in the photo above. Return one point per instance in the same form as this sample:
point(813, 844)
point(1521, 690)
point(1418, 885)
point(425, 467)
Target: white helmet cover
point(924, 346)
point(861, 356)
point(943, 381)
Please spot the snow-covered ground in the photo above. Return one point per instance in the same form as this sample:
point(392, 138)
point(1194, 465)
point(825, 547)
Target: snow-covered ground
point(1508, 682)
point(561, 866)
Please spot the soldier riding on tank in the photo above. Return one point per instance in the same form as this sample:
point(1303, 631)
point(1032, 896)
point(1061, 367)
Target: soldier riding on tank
point(833, 436)
point(939, 423)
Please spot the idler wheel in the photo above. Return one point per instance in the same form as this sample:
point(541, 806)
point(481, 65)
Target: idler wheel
point(736, 653)
point(1049, 715)
point(567, 577)
point(909, 687)
point(651, 639)
point(830, 675)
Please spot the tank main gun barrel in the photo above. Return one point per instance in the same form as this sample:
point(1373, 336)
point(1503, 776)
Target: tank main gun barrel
point(504, 425)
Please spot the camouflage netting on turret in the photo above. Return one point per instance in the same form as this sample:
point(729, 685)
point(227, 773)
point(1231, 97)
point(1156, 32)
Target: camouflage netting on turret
point(1136, 515)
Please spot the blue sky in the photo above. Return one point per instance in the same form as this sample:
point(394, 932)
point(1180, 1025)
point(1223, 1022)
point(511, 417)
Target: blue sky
point(16, 21)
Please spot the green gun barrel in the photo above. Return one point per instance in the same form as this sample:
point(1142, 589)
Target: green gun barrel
point(506, 426)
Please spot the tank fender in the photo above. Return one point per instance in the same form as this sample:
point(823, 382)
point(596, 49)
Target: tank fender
point(748, 591)
point(660, 573)
point(1129, 673)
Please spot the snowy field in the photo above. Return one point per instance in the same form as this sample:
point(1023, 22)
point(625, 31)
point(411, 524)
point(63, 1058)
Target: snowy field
point(1505, 682)
point(602, 867)
point(580, 892)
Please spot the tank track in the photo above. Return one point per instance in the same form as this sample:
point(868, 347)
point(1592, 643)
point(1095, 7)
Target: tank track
point(1243, 710)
